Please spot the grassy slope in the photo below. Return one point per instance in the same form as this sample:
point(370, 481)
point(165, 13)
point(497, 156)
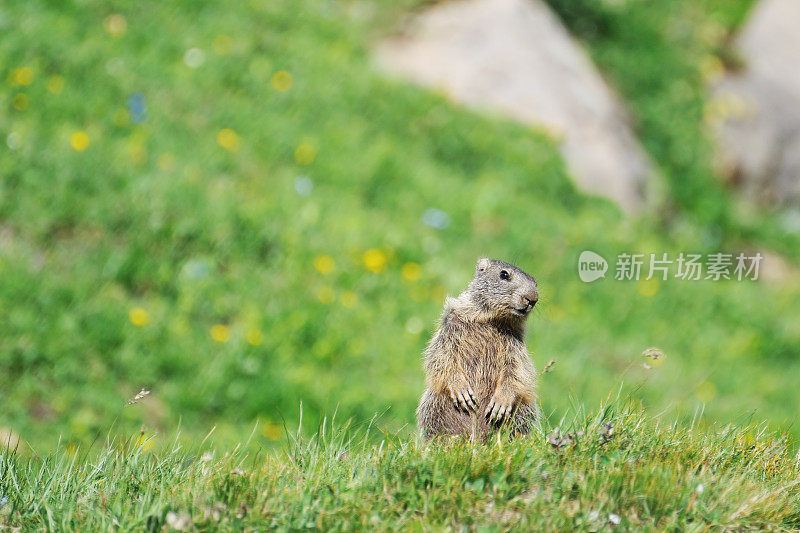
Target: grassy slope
point(650, 475)
point(160, 216)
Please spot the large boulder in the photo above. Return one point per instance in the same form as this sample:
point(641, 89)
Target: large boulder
point(515, 57)
point(757, 111)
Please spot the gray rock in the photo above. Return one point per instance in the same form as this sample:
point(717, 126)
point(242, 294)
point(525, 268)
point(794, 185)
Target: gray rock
point(756, 113)
point(516, 58)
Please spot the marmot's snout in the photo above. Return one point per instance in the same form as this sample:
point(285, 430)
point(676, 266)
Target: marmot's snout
point(529, 301)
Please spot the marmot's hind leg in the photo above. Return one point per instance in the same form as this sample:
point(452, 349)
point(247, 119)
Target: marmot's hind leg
point(525, 417)
point(436, 415)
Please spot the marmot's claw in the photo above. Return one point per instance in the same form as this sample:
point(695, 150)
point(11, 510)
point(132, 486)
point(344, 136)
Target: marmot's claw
point(497, 411)
point(470, 396)
point(464, 400)
point(491, 411)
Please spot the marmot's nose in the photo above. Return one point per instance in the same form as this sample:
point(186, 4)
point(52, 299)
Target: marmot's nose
point(532, 299)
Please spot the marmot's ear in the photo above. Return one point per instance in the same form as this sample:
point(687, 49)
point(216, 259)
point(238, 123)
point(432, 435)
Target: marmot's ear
point(483, 264)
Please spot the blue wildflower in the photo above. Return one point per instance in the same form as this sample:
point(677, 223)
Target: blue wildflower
point(137, 108)
point(436, 218)
point(196, 269)
point(303, 185)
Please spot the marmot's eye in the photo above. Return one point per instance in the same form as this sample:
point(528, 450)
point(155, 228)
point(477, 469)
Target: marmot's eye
point(505, 275)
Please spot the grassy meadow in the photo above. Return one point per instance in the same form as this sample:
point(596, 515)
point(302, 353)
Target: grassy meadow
point(613, 469)
point(232, 208)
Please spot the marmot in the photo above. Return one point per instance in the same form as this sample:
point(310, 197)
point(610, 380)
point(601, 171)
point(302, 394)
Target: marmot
point(478, 373)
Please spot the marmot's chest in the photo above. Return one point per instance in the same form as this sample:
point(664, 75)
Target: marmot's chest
point(488, 349)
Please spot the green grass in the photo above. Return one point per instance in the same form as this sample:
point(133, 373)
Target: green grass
point(645, 473)
point(174, 254)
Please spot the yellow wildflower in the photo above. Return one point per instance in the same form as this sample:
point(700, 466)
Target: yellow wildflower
point(305, 154)
point(411, 271)
point(139, 317)
point(22, 76)
point(281, 81)
point(254, 336)
point(115, 25)
point(220, 332)
point(79, 141)
point(324, 264)
point(375, 260)
point(228, 139)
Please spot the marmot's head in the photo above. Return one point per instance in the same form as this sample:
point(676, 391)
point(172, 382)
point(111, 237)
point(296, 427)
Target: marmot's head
point(501, 289)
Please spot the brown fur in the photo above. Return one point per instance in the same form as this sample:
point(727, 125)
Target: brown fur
point(478, 372)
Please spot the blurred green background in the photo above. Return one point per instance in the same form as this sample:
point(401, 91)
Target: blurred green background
point(226, 203)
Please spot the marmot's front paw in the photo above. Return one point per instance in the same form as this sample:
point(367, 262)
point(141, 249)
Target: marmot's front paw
point(463, 397)
point(500, 406)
